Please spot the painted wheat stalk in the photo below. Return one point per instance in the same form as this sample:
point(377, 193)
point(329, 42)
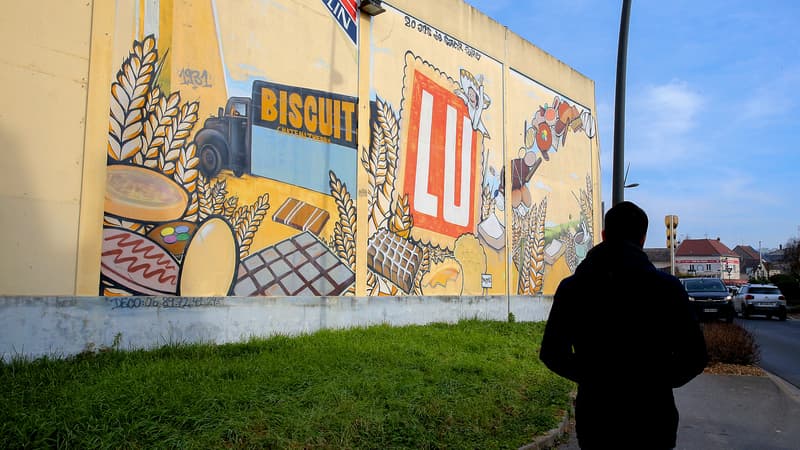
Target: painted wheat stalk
point(110, 221)
point(569, 252)
point(372, 283)
point(160, 116)
point(128, 100)
point(537, 247)
point(211, 197)
point(431, 254)
point(518, 223)
point(401, 220)
point(524, 247)
point(249, 224)
point(587, 205)
point(186, 174)
point(175, 137)
point(488, 202)
point(380, 162)
point(344, 230)
point(148, 156)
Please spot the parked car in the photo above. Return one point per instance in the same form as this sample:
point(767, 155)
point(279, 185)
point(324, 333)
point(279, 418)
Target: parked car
point(763, 299)
point(710, 298)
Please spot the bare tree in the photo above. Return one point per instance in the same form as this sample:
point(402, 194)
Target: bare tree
point(791, 256)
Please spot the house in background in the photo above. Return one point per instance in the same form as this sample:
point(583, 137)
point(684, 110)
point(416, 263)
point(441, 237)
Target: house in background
point(774, 262)
point(659, 257)
point(749, 259)
point(707, 258)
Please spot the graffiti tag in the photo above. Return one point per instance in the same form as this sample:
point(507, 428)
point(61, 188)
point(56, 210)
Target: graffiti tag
point(194, 78)
point(165, 302)
point(442, 37)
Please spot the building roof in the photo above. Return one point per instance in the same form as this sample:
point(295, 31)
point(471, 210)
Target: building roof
point(703, 247)
point(746, 251)
point(657, 255)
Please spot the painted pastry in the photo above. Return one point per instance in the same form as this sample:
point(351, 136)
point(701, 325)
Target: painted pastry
point(143, 195)
point(173, 236)
point(137, 263)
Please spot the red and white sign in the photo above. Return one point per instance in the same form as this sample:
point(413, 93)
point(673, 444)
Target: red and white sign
point(346, 14)
point(441, 163)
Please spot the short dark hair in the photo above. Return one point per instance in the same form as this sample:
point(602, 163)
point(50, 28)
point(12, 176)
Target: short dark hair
point(626, 222)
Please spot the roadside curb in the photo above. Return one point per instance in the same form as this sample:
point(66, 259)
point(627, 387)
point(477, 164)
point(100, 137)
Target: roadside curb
point(554, 436)
point(787, 388)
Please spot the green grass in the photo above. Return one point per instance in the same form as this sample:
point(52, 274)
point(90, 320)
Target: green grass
point(474, 384)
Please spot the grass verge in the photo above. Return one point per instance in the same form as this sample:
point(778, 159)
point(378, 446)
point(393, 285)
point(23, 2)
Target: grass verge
point(474, 384)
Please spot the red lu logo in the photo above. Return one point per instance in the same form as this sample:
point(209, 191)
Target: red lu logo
point(441, 166)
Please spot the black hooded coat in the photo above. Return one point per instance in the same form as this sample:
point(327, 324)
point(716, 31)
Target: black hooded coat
point(624, 332)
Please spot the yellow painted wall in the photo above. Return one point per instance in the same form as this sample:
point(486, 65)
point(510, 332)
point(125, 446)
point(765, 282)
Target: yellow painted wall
point(44, 77)
point(211, 50)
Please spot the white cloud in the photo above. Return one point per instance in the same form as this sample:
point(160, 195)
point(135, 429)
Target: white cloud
point(773, 100)
point(661, 124)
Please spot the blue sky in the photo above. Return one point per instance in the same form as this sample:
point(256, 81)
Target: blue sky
point(712, 108)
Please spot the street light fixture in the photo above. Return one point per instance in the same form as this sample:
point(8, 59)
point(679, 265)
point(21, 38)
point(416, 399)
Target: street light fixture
point(625, 180)
point(371, 7)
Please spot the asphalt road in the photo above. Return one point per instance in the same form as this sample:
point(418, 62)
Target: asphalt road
point(780, 344)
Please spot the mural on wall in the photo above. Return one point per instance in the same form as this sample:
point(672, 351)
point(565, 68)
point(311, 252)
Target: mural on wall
point(233, 158)
point(546, 167)
point(429, 207)
point(253, 202)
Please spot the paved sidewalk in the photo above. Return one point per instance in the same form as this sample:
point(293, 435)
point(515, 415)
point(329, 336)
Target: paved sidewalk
point(735, 412)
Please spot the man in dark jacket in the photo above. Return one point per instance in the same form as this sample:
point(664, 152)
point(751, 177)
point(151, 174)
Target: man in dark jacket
point(626, 334)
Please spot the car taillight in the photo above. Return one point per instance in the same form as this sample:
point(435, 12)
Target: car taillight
point(748, 297)
point(780, 297)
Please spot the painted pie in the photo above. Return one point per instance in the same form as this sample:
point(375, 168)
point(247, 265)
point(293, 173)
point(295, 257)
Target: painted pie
point(144, 195)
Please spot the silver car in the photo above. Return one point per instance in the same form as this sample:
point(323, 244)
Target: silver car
point(763, 299)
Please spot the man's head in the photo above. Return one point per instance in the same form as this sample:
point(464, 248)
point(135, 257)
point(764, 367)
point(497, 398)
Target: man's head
point(625, 222)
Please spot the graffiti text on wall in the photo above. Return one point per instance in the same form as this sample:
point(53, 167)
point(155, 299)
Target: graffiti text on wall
point(305, 112)
point(440, 36)
point(162, 302)
point(194, 77)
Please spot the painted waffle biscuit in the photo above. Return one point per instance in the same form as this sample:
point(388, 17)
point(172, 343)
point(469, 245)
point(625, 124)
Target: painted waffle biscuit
point(302, 216)
point(137, 263)
point(298, 266)
point(394, 257)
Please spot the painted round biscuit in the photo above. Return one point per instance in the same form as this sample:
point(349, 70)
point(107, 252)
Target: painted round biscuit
point(210, 260)
point(172, 236)
point(142, 194)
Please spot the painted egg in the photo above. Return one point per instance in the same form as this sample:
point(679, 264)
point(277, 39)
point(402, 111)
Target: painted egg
point(137, 263)
point(210, 260)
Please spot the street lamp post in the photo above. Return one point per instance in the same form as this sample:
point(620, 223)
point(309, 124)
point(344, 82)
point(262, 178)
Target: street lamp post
point(618, 194)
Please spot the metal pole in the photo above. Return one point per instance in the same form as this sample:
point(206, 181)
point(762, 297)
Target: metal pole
point(618, 194)
point(672, 247)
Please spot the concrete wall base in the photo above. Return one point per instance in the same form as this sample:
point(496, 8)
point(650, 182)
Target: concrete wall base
point(32, 327)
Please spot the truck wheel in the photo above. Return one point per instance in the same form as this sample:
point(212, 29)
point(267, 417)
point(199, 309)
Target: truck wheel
point(213, 154)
